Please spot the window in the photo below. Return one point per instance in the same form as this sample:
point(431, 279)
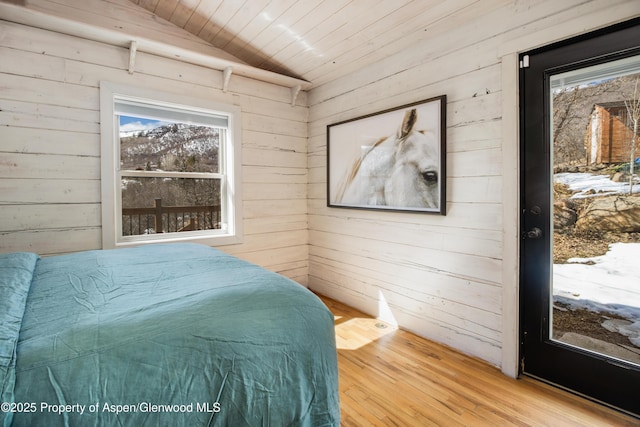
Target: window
point(170, 168)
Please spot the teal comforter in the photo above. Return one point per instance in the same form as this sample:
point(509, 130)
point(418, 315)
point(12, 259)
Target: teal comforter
point(161, 335)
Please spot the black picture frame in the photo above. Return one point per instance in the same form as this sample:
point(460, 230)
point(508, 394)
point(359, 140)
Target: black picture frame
point(390, 160)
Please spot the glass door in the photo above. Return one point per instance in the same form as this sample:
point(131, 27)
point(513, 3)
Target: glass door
point(580, 204)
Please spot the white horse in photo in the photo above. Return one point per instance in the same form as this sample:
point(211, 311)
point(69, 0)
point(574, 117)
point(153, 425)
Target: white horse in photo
point(397, 171)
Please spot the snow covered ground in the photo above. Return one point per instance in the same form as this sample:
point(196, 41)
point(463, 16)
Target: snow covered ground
point(607, 283)
point(601, 184)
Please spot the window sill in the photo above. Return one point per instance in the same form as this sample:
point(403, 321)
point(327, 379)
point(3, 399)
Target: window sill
point(209, 240)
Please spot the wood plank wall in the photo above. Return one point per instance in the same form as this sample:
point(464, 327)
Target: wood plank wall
point(441, 277)
point(50, 146)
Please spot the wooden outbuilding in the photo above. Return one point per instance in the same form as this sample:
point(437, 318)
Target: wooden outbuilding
point(608, 134)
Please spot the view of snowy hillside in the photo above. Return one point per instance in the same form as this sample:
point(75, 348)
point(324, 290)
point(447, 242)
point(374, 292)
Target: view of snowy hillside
point(168, 198)
point(171, 147)
point(608, 284)
point(596, 210)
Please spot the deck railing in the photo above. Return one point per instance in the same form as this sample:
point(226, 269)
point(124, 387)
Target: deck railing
point(169, 219)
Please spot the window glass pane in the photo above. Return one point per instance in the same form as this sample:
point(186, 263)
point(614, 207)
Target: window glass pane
point(168, 205)
point(589, 76)
point(170, 113)
point(153, 145)
point(595, 293)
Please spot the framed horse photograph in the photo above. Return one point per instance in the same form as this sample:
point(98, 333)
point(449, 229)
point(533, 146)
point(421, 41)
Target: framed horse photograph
point(391, 160)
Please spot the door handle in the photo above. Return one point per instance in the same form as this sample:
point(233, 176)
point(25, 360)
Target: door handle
point(534, 233)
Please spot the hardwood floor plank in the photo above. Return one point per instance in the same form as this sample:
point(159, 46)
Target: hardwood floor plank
point(391, 377)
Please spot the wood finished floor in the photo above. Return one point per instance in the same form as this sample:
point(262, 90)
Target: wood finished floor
point(391, 377)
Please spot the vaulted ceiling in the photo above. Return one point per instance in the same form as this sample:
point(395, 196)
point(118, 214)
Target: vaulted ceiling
point(316, 40)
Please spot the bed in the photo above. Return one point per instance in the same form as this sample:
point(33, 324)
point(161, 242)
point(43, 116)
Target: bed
point(175, 334)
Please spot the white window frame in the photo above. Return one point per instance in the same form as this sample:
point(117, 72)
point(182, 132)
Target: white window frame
point(231, 149)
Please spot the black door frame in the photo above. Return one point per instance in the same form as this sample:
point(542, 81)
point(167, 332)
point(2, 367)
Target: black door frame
point(595, 376)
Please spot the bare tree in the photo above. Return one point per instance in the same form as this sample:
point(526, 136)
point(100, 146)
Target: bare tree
point(566, 148)
point(633, 112)
point(572, 107)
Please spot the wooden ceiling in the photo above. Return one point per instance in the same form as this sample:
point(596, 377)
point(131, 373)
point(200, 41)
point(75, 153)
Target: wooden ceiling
point(316, 40)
